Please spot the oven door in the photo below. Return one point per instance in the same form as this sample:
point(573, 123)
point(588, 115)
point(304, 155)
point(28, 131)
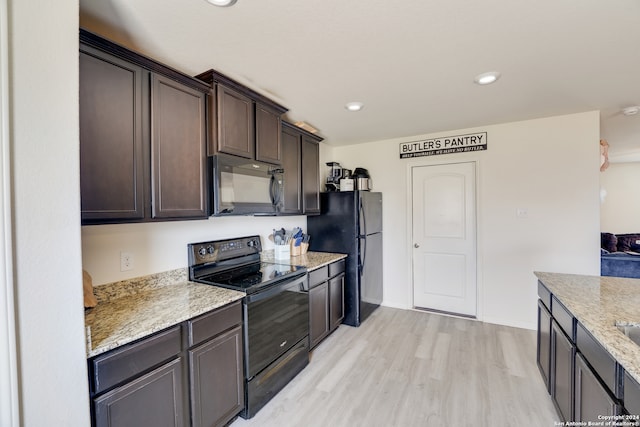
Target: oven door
point(277, 319)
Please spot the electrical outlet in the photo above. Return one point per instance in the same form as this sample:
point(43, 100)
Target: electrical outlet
point(126, 261)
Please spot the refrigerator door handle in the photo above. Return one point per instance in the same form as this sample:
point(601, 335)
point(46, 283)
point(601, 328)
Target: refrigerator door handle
point(363, 218)
point(363, 254)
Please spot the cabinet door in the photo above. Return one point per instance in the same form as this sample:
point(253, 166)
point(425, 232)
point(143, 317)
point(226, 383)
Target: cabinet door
point(336, 301)
point(235, 123)
point(178, 150)
point(217, 379)
point(153, 400)
point(111, 137)
point(318, 313)
point(310, 176)
point(543, 355)
point(291, 165)
point(631, 394)
point(591, 398)
point(268, 130)
point(563, 352)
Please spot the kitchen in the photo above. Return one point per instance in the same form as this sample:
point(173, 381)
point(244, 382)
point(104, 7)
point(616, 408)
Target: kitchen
point(59, 231)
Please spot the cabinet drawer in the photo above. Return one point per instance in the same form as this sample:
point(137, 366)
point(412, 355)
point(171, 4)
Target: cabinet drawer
point(631, 395)
point(318, 276)
point(336, 268)
point(133, 359)
point(564, 318)
point(211, 324)
point(544, 295)
point(603, 364)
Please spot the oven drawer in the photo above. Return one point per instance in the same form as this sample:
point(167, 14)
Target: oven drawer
point(211, 324)
point(273, 379)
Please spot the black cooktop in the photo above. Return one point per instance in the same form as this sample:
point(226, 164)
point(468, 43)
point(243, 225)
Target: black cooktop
point(235, 264)
point(251, 278)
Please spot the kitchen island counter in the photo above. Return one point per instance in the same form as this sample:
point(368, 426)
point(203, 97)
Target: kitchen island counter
point(598, 303)
point(133, 309)
point(310, 260)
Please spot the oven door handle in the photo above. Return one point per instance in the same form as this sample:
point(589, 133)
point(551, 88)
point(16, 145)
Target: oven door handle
point(301, 283)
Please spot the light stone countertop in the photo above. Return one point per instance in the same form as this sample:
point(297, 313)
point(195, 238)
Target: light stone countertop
point(136, 308)
point(311, 260)
point(598, 303)
point(133, 309)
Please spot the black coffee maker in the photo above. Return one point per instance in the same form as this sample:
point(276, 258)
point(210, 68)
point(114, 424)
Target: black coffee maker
point(336, 173)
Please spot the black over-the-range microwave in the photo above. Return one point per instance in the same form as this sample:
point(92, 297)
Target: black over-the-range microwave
point(245, 187)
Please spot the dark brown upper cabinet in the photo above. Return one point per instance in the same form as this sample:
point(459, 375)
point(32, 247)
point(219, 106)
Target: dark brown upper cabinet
point(178, 150)
point(244, 123)
point(291, 163)
point(234, 133)
point(301, 164)
point(111, 137)
point(310, 151)
point(143, 137)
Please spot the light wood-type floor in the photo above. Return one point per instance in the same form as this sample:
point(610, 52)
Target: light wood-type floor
point(410, 368)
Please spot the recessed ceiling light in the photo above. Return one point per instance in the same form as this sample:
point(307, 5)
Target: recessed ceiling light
point(222, 3)
point(631, 111)
point(487, 78)
point(354, 106)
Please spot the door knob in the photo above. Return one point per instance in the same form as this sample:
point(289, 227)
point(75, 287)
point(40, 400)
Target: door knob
point(415, 245)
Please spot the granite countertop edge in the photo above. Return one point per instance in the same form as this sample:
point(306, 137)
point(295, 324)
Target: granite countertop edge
point(598, 302)
point(135, 308)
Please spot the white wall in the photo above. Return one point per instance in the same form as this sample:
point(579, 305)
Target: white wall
point(548, 166)
point(620, 210)
point(158, 247)
point(43, 71)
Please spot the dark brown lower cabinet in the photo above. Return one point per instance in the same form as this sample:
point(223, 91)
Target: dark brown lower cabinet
point(586, 382)
point(217, 380)
point(318, 313)
point(326, 301)
point(336, 302)
point(153, 400)
point(543, 356)
point(562, 361)
point(592, 399)
point(631, 395)
point(193, 370)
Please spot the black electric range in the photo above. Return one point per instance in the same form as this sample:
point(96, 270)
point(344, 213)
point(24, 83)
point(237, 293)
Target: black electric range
point(275, 312)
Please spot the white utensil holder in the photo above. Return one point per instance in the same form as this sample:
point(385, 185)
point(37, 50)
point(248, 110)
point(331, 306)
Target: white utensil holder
point(282, 252)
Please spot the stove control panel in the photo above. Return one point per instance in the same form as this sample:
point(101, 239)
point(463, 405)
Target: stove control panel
point(220, 250)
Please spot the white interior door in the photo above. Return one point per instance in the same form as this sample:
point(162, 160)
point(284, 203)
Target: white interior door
point(444, 238)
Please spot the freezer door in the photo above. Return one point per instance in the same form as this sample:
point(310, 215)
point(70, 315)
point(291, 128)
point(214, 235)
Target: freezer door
point(370, 212)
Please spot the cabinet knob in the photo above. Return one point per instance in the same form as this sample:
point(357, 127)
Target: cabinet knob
point(415, 245)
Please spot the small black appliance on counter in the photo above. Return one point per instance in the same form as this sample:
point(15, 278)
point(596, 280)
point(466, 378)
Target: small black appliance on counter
point(362, 179)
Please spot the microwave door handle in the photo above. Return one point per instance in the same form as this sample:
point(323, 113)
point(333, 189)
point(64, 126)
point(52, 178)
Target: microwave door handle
point(272, 190)
point(275, 190)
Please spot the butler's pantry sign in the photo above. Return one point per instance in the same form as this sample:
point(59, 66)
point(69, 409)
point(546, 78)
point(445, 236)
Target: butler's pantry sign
point(444, 145)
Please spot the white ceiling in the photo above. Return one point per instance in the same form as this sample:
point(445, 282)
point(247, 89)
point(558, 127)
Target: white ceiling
point(411, 62)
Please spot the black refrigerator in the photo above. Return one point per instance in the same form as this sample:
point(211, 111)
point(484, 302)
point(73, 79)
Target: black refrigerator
point(350, 222)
